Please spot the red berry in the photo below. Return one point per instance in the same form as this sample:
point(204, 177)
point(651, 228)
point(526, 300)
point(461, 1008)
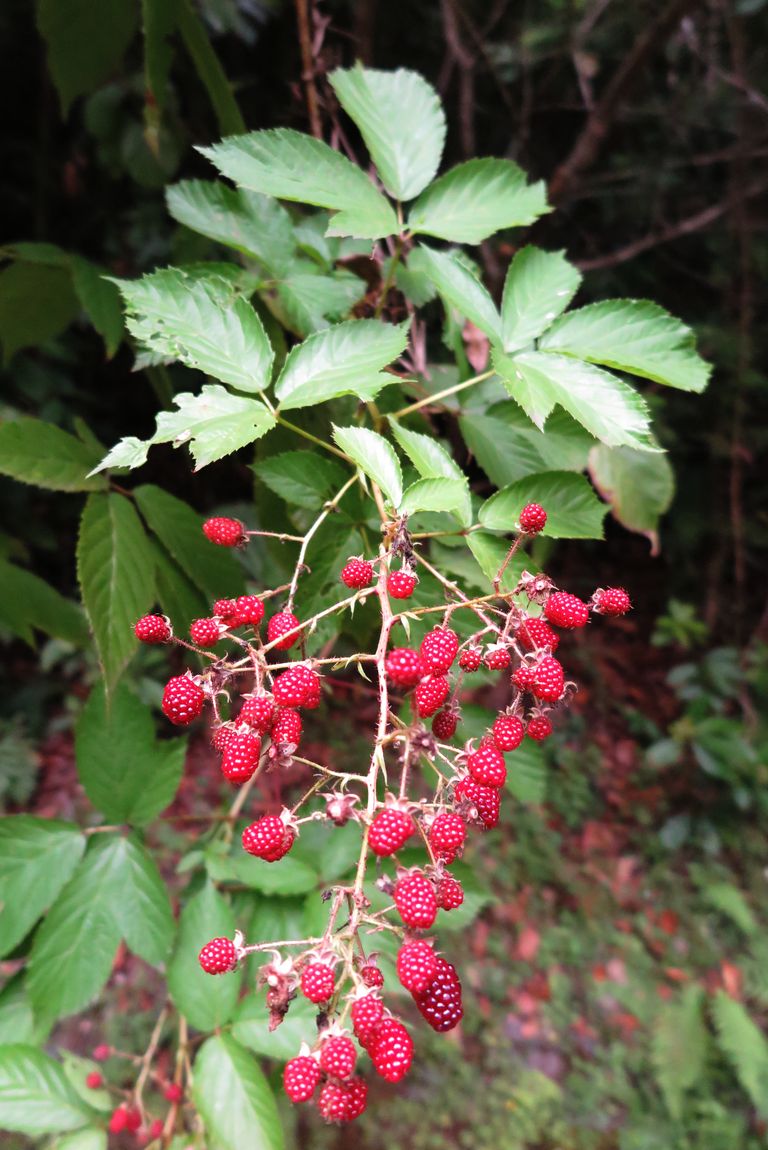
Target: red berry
point(391, 1050)
point(366, 1013)
point(508, 732)
point(441, 1002)
point(533, 519)
point(486, 765)
point(471, 658)
point(94, 1080)
point(446, 835)
point(444, 724)
point(124, 1118)
point(183, 700)
point(153, 629)
point(415, 899)
point(486, 801)
point(218, 956)
point(523, 676)
point(416, 965)
point(249, 611)
point(497, 657)
point(156, 1128)
point(612, 601)
point(205, 632)
point(294, 686)
point(257, 712)
point(389, 831)
point(225, 532)
point(173, 1093)
point(358, 573)
point(338, 1056)
point(430, 695)
point(318, 982)
point(539, 728)
point(312, 701)
point(548, 680)
point(222, 736)
point(404, 667)
point(371, 975)
point(286, 727)
point(567, 611)
point(101, 1052)
point(225, 609)
point(343, 1101)
point(450, 893)
point(536, 634)
point(278, 625)
point(241, 756)
point(268, 838)
point(439, 649)
point(401, 584)
point(300, 1078)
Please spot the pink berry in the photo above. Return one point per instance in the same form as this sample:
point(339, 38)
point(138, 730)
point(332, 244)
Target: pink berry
point(497, 658)
point(94, 1080)
point(183, 700)
point(357, 574)
point(153, 629)
point(218, 956)
point(224, 532)
point(566, 611)
point(401, 584)
point(173, 1093)
point(225, 609)
point(533, 519)
point(278, 627)
point(539, 728)
point(471, 658)
point(523, 677)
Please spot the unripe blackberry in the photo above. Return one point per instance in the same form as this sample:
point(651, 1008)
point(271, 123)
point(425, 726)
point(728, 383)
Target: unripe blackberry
point(566, 611)
point(430, 695)
point(357, 574)
point(414, 898)
point(404, 667)
point(218, 956)
point(300, 1078)
point(318, 982)
point(389, 831)
point(533, 519)
point(183, 700)
point(612, 601)
point(401, 584)
point(508, 732)
point(153, 629)
point(224, 532)
point(439, 649)
point(278, 627)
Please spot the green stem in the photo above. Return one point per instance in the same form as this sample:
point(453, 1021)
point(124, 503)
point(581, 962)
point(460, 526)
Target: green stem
point(209, 69)
point(312, 438)
point(430, 399)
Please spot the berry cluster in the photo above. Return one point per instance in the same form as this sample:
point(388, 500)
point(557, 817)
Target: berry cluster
point(516, 633)
point(131, 1115)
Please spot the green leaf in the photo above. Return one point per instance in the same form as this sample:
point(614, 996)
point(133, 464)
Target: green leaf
point(181, 601)
point(128, 774)
point(75, 945)
point(116, 573)
point(17, 1020)
point(292, 166)
point(251, 1028)
point(37, 303)
point(476, 199)
point(573, 509)
point(489, 552)
point(308, 302)
point(77, 1070)
point(213, 569)
point(606, 406)
point(35, 1096)
point(635, 336)
point(45, 456)
point(539, 286)
point(28, 601)
point(129, 452)
point(639, 485)
point(87, 1138)
point(745, 1047)
point(679, 1047)
point(430, 459)
point(141, 906)
point(343, 360)
point(374, 456)
point(100, 299)
point(37, 858)
point(461, 289)
point(203, 322)
point(234, 1098)
point(85, 42)
point(508, 446)
point(295, 877)
point(301, 478)
point(527, 773)
point(256, 225)
point(214, 423)
point(730, 901)
point(207, 1002)
point(439, 495)
point(401, 120)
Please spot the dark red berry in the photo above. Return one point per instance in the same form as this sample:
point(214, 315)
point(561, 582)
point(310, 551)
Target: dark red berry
point(539, 728)
point(444, 724)
point(218, 956)
point(441, 1002)
point(153, 629)
point(533, 519)
point(279, 626)
point(389, 831)
point(357, 573)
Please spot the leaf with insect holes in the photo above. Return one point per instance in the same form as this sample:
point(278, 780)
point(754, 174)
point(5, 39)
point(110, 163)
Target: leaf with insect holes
point(375, 457)
point(293, 166)
point(401, 120)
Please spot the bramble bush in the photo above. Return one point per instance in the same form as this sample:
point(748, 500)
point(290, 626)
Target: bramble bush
point(375, 559)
